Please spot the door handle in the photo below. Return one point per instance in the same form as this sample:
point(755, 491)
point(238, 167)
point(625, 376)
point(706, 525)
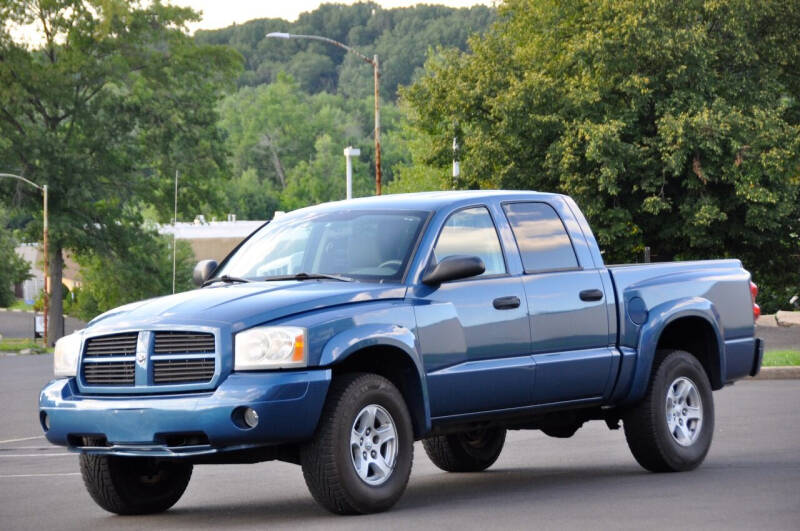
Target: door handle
point(591, 295)
point(506, 303)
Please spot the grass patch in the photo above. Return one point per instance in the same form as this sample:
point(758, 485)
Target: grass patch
point(781, 358)
point(18, 345)
point(20, 304)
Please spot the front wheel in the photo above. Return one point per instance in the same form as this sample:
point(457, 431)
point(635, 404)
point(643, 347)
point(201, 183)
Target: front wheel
point(360, 457)
point(671, 429)
point(470, 451)
point(134, 485)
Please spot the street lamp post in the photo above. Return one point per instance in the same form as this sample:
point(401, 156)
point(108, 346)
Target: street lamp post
point(376, 79)
point(43, 189)
point(349, 153)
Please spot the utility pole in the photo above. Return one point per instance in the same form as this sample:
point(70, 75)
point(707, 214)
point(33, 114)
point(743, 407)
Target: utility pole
point(174, 233)
point(45, 237)
point(377, 76)
point(376, 79)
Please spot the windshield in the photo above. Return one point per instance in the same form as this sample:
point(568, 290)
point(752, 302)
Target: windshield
point(364, 245)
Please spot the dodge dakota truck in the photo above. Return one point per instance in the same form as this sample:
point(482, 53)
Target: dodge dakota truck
point(336, 336)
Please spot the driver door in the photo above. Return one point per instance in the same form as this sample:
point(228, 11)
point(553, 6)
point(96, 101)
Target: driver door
point(474, 333)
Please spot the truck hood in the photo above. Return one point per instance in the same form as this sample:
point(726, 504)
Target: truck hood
point(241, 306)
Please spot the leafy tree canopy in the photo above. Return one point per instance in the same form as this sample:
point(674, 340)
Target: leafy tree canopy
point(675, 125)
point(103, 110)
point(13, 268)
point(287, 146)
point(140, 268)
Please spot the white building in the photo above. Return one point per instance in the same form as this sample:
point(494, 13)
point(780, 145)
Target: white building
point(214, 239)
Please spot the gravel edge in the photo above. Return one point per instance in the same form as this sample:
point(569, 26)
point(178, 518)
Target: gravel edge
point(778, 373)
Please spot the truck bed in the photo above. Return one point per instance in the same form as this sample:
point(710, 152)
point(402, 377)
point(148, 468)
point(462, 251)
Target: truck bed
point(650, 296)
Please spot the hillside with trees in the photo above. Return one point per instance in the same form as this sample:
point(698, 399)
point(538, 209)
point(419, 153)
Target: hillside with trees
point(301, 102)
point(402, 38)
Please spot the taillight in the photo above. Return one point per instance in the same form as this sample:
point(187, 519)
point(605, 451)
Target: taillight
point(753, 295)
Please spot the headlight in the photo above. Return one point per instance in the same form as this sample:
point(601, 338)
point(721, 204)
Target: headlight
point(270, 347)
point(65, 358)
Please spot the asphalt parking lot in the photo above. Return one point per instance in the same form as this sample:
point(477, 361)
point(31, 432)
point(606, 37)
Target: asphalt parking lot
point(20, 324)
point(750, 480)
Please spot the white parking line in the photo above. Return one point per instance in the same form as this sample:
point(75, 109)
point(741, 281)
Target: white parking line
point(38, 475)
point(22, 439)
point(34, 455)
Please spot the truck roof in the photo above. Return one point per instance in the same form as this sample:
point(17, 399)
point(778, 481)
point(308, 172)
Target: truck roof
point(431, 200)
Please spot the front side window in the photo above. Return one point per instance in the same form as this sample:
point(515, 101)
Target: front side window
point(365, 245)
point(471, 232)
point(541, 237)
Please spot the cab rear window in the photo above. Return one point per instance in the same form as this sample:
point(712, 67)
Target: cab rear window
point(541, 237)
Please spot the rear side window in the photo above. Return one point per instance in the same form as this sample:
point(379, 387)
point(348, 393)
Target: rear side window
point(542, 239)
point(471, 232)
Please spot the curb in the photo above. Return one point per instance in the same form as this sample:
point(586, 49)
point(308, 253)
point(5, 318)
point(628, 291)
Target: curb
point(12, 354)
point(782, 319)
point(778, 373)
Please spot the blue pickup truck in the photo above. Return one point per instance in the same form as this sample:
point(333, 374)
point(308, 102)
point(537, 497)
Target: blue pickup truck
point(337, 335)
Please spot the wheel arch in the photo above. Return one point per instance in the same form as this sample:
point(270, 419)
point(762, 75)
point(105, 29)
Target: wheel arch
point(697, 336)
point(691, 325)
point(389, 351)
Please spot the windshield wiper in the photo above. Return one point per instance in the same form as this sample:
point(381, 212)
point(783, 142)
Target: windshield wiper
point(309, 276)
point(224, 278)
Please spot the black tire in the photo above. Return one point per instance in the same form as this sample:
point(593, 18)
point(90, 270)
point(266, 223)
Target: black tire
point(466, 452)
point(650, 439)
point(328, 462)
point(561, 432)
point(134, 485)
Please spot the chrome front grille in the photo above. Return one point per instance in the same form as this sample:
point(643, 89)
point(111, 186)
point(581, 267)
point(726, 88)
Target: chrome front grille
point(183, 343)
point(114, 345)
point(183, 371)
point(194, 369)
point(149, 360)
point(109, 373)
point(110, 360)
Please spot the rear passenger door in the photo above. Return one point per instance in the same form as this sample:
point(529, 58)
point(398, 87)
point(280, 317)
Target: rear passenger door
point(566, 307)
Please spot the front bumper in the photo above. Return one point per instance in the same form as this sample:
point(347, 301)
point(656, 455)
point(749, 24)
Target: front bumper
point(288, 406)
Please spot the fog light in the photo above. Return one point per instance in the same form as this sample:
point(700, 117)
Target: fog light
point(250, 417)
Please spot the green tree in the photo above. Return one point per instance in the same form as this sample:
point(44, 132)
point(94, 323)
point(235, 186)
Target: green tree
point(675, 125)
point(13, 269)
point(249, 197)
point(114, 99)
point(140, 268)
point(288, 144)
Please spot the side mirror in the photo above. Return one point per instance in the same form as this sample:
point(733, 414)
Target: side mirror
point(203, 271)
point(453, 268)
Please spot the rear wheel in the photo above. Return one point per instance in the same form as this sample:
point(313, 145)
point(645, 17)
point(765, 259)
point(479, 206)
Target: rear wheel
point(360, 457)
point(134, 485)
point(671, 429)
point(470, 451)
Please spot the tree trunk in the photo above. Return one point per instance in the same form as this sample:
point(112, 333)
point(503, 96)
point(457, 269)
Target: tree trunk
point(266, 140)
point(55, 321)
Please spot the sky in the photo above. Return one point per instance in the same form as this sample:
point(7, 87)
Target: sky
point(221, 13)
